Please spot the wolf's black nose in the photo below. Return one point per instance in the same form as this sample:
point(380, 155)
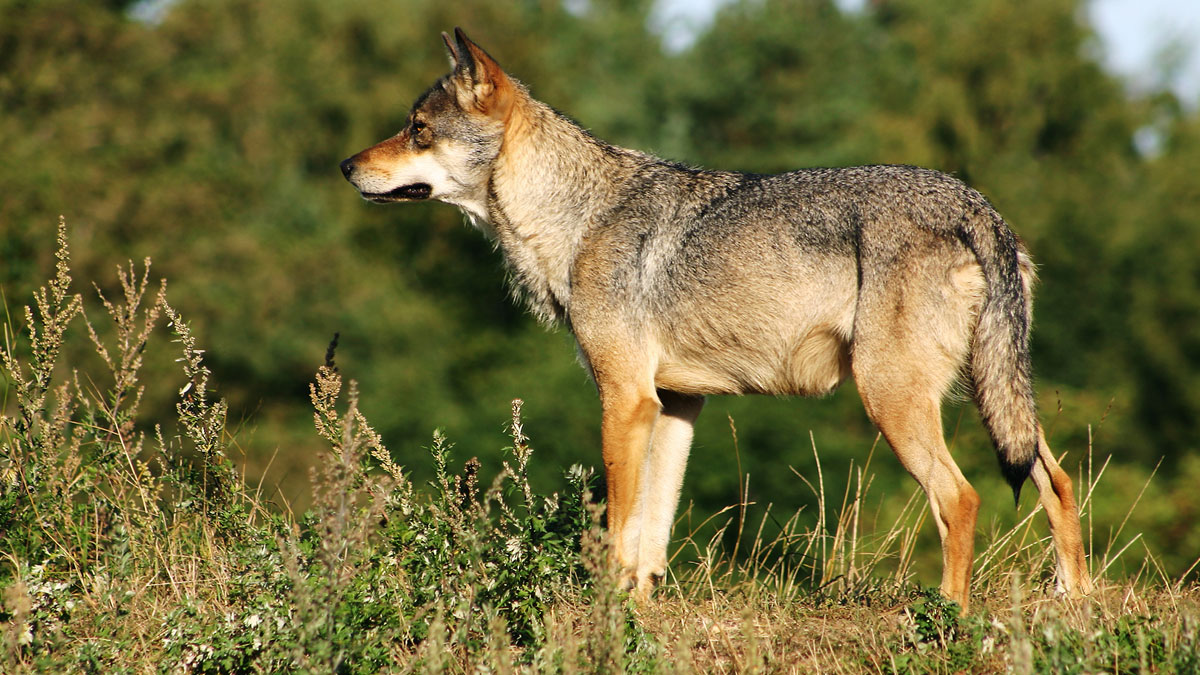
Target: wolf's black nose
point(347, 167)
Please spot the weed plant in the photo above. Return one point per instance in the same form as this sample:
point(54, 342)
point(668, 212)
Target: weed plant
point(127, 548)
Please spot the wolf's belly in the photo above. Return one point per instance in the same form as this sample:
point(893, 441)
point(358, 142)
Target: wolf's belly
point(811, 365)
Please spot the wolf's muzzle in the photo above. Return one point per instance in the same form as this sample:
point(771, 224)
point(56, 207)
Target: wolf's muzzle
point(414, 191)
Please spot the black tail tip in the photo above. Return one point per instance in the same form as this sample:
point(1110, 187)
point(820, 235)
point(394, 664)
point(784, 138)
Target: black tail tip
point(1016, 474)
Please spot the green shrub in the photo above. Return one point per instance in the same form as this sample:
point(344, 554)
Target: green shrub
point(101, 516)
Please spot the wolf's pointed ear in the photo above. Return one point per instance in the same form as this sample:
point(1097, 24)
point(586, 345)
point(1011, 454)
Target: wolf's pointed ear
point(451, 49)
point(491, 90)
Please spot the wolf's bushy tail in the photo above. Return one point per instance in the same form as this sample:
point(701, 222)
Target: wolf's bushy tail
point(1000, 364)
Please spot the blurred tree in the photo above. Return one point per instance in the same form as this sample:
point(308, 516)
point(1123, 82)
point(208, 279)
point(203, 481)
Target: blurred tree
point(774, 86)
point(209, 139)
point(1013, 100)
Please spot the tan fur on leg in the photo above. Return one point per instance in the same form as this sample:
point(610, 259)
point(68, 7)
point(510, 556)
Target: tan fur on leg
point(662, 477)
point(628, 422)
point(1058, 499)
point(915, 434)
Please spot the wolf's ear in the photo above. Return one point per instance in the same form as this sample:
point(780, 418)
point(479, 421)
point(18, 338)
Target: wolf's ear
point(453, 51)
point(488, 89)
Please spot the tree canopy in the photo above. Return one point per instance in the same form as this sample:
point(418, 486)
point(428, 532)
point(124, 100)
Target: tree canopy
point(209, 140)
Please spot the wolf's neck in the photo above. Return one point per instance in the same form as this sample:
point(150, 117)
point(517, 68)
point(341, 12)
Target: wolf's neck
point(551, 183)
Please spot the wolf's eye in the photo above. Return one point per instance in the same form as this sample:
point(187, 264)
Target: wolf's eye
point(418, 126)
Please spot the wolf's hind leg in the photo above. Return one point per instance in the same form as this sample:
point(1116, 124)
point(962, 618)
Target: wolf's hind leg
point(662, 478)
point(1058, 499)
point(913, 428)
point(903, 365)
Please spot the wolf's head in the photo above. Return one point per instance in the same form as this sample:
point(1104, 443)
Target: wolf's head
point(451, 138)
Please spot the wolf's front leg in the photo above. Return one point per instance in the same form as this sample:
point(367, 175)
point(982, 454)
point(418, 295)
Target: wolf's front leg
point(662, 478)
point(629, 416)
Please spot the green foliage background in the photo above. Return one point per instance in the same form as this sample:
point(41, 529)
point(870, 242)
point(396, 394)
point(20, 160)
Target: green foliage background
point(208, 139)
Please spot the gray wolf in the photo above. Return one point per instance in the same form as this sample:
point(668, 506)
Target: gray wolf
point(678, 283)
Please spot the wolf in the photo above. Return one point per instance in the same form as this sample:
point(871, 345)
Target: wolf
point(678, 283)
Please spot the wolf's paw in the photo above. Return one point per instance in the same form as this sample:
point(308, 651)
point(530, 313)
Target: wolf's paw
point(647, 580)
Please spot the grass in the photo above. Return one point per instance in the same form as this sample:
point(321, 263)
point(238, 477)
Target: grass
point(132, 549)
